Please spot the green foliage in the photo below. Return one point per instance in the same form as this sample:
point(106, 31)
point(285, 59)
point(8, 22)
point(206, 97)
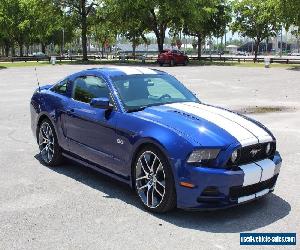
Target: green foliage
point(256, 19)
point(103, 29)
point(290, 12)
point(25, 22)
point(140, 16)
point(205, 18)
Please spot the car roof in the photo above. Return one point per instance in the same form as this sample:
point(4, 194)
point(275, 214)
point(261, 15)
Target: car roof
point(112, 72)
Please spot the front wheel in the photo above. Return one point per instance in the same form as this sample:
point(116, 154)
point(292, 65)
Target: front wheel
point(50, 151)
point(154, 182)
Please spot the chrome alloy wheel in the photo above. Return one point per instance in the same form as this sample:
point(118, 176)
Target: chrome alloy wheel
point(46, 142)
point(150, 179)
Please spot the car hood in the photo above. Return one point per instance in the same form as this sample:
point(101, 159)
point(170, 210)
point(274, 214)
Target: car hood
point(207, 125)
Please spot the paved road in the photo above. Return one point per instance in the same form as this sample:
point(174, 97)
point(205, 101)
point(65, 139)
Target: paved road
point(71, 207)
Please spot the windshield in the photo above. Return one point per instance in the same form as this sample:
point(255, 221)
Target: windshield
point(140, 91)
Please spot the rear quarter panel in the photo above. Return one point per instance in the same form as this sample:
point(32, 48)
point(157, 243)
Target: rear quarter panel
point(51, 105)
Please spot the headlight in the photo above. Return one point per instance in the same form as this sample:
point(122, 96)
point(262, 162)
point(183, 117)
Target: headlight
point(200, 155)
point(235, 156)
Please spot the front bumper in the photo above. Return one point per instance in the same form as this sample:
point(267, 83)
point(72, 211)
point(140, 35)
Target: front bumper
point(221, 188)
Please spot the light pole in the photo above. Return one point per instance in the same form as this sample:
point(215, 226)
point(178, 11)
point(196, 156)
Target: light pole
point(281, 42)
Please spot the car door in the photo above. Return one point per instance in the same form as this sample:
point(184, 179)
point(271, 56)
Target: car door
point(175, 56)
point(181, 57)
point(91, 131)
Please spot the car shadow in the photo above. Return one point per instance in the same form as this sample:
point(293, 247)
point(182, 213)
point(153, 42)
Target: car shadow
point(294, 68)
point(247, 217)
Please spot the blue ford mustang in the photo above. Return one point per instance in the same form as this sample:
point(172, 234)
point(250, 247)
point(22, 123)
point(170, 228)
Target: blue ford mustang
point(143, 127)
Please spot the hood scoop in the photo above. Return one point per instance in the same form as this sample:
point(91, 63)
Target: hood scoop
point(185, 114)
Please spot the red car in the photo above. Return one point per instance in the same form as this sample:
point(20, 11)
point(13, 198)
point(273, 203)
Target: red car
point(172, 57)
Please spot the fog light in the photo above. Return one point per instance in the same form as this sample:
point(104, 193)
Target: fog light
point(210, 191)
point(268, 148)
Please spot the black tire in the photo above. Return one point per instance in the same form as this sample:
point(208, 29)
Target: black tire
point(185, 63)
point(172, 63)
point(161, 64)
point(168, 199)
point(56, 150)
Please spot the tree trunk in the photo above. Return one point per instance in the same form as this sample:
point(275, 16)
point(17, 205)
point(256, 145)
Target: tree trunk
point(199, 44)
point(6, 49)
point(27, 49)
point(256, 48)
point(160, 37)
point(162, 40)
point(43, 48)
point(84, 30)
point(21, 49)
point(133, 50)
point(102, 50)
point(13, 50)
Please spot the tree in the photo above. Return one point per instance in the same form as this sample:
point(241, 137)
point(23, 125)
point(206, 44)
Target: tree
point(148, 15)
point(53, 25)
point(290, 16)
point(206, 18)
point(104, 30)
point(24, 22)
point(82, 9)
point(290, 12)
point(256, 19)
point(15, 22)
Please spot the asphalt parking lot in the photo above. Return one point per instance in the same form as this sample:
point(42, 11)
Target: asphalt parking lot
point(72, 207)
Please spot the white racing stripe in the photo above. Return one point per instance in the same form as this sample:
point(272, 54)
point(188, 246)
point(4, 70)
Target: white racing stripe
point(268, 169)
point(252, 173)
point(135, 70)
point(253, 196)
point(263, 192)
point(146, 70)
point(241, 134)
point(246, 198)
point(258, 172)
point(261, 134)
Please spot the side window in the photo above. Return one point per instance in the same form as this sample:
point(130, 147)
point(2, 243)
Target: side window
point(61, 87)
point(88, 87)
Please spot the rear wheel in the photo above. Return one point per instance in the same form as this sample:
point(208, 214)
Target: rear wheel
point(50, 151)
point(154, 182)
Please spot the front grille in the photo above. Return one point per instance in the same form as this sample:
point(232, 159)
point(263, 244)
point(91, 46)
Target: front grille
point(240, 191)
point(253, 153)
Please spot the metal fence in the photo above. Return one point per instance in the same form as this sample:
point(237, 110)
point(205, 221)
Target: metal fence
point(152, 58)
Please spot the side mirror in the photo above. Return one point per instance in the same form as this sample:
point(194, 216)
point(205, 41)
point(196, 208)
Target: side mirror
point(101, 103)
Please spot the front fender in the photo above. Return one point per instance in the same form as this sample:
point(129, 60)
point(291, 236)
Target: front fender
point(141, 131)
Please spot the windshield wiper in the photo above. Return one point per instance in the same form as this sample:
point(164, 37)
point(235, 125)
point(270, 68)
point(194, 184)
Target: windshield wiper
point(137, 109)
